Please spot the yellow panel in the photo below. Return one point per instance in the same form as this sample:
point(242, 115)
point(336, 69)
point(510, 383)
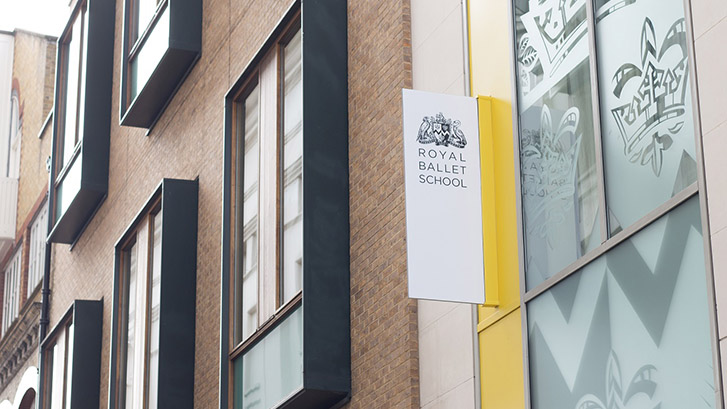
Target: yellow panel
point(501, 368)
point(489, 202)
point(491, 77)
point(500, 327)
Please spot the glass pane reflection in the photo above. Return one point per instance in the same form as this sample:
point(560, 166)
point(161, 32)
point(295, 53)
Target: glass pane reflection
point(557, 148)
point(292, 170)
point(142, 66)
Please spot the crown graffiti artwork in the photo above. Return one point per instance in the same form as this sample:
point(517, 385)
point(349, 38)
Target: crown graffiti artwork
point(553, 30)
point(441, 131)
point(653, 113)
point(548, 161)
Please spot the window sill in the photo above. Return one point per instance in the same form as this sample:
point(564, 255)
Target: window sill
point(149, 104)
point(279, 316)
point(71, 224)
point(183, 48)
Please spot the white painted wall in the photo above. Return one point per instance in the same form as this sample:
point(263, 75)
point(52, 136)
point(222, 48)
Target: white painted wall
point(446, 330)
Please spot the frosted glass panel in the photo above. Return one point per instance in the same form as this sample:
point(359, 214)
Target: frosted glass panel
point(646, 110)
point(630, 330)
point(273, 369)
point(557, 148)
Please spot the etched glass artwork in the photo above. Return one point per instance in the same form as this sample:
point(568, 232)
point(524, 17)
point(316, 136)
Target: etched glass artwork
point(646, 112)
point(631, 329)
point(557, 149)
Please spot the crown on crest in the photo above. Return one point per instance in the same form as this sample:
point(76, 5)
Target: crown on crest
point(653, 112)
point(553, 28)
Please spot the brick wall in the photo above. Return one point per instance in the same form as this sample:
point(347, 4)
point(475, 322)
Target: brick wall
point(384, 342)
point(34, 81)
point(187, 143)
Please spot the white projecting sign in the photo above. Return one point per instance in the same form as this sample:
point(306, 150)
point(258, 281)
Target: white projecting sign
point(443, 197)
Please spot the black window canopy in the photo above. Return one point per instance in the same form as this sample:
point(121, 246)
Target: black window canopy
point(162, 41)
point(310, 333)
point(72, 357)
point(81, 125)
point(167, 226)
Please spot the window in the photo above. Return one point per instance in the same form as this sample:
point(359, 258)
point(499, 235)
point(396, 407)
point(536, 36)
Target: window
point(285, 237)
point(80, 152)
point(645, 130)
point(68, 160)
point(57, 360)
point(139, 309)
point(162, 41)
point(155, 282)
point(36, 258)
point(269, 189)
point(614, 253)
point(71, 359)
point(269, 269)
point(11, 293)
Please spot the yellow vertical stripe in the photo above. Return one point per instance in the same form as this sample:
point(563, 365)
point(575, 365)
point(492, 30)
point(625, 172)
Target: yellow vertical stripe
point(489, 211)
point(501, 368)
point(499, 327)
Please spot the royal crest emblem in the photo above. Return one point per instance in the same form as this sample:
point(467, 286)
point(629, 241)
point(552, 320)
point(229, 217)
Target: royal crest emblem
point(548, 161)
point(441, 131)
point(654, 112)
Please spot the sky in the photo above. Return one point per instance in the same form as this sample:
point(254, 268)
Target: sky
point(40, 16)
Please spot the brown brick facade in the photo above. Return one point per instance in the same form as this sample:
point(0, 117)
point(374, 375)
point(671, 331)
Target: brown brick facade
point(33, 80)
point(186, 143)
point(384, 341)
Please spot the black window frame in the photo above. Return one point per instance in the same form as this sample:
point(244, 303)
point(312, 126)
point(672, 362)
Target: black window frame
point(87, 319)
point(92, 146)
point(325, 298)
point(184, 48)
point(178, 201)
